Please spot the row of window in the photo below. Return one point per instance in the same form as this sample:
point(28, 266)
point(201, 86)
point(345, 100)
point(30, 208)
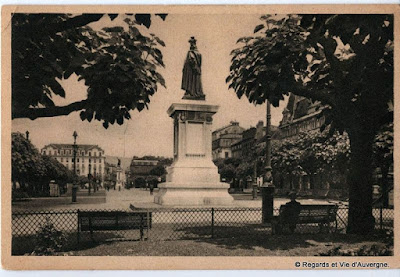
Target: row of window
point(70, 152)
point(304, 126)
point(77, 160)
point(144, 163)
point(81, 169)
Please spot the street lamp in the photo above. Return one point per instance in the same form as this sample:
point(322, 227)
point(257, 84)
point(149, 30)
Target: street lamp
point(255, 187)
point(268, 187)
point(74, 147)
point(74, 186)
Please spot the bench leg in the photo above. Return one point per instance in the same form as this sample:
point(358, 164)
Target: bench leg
point(141, 228)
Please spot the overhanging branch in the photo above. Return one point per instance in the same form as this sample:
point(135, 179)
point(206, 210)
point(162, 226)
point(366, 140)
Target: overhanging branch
point(33, 113)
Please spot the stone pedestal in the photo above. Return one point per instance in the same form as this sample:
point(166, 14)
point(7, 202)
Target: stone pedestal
point(192, 179)
point(69, 189)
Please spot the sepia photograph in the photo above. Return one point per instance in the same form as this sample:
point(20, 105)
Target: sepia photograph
point(228, 133)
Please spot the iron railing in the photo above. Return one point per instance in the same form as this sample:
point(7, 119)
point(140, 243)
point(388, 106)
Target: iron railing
point(178, 224)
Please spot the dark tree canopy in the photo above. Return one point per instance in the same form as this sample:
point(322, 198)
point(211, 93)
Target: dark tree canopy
point(31, 168)
point(343, 61)
point(118, 64)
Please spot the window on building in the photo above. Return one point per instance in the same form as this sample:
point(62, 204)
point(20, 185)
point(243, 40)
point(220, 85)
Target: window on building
point(226, 155)
point(62, 159)
point(90, 154)
point(50, 153)
point(90, 161)
point(99, 154)
point(95, 154)
point(67, 159)
point(94, 160)
point(77, 160)
point(44, 152)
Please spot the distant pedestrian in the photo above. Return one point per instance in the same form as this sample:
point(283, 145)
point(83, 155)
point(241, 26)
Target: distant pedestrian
point(151, 188)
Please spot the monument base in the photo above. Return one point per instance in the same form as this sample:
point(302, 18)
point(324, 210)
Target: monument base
point(193, 178)
point(193, 194)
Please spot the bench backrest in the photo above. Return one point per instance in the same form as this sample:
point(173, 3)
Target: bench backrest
point(309, 213)
point(113, 220)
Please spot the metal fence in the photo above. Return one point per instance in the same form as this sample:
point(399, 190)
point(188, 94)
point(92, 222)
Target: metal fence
point(176, 224)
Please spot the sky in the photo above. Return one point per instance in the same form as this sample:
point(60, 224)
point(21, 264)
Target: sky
point(150, 132)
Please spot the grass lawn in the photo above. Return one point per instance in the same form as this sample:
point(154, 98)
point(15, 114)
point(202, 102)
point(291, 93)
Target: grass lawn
point(284, 245)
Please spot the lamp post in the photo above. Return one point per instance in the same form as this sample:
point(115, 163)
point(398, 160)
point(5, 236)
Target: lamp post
point(90, 177)
point(74, 186)
point(268, 187)
point(254, 192)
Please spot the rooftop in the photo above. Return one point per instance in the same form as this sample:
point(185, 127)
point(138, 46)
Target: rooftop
point(85, 147)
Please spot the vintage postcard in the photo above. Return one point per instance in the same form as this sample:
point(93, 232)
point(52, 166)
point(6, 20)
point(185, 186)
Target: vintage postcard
point(200, 137)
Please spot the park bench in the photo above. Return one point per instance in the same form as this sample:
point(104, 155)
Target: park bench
point(113, 221)
point(289, 217)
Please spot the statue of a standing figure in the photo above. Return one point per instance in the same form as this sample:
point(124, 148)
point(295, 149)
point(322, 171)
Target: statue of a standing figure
point(191, 79)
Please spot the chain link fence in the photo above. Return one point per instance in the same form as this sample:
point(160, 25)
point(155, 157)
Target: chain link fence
point(166, 224)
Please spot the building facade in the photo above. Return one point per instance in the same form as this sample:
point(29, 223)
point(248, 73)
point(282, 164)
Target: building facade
point(142, 167)
point(89, 158)
point(223, 139)
point(253, 137)
point(303, 115)
point(300, 115)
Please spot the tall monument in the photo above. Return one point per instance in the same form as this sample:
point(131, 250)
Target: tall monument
point(192, 179)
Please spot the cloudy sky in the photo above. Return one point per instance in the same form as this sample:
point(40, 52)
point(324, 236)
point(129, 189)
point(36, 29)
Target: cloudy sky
point(150, 132)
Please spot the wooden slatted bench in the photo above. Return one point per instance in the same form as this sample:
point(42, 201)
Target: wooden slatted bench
point(113, 220)
point(290, 216)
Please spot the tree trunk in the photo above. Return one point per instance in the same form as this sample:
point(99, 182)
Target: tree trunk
point(385, 185)
point(360, 220)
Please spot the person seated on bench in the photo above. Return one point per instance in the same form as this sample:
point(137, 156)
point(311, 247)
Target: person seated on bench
point(291, 212)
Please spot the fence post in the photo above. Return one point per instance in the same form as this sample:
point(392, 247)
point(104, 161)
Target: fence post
point(381, 217)
point(212, 222)
point(148, 224)
point(78, 234)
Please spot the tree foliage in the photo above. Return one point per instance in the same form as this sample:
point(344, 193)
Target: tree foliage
point(335, 59)
point(118, 65)
point(158, 170)
point(228, 168)
point(343, 61)
point(33, 170)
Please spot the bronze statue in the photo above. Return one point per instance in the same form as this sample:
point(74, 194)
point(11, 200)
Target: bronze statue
point(191, 79)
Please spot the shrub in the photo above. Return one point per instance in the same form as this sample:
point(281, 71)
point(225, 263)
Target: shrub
point(49, 239)
point(19, 195)
point(365, 250)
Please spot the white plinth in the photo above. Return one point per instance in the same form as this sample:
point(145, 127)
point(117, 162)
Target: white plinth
point(193, 179)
